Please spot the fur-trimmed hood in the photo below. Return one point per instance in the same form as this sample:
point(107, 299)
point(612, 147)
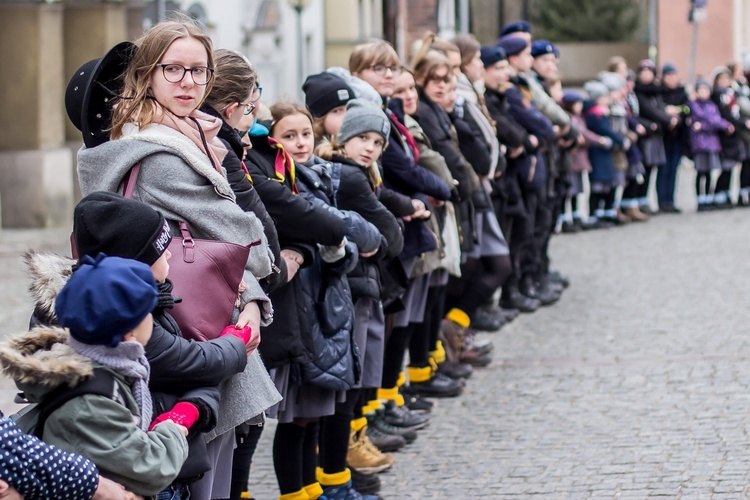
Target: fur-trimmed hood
point(48, 273)
point(41, 360)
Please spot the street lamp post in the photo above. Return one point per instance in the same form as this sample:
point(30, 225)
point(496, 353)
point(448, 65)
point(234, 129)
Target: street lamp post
point(299, 6)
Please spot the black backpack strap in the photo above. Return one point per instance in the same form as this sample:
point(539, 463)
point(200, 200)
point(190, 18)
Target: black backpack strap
point(101, 383)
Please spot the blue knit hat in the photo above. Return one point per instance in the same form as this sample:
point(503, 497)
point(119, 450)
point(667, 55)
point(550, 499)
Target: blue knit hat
point(105, 299)
point(512, 45)
point(571, 96)
point(668, 68)
point(491, 55)
point(516, 27)
point(543, 47)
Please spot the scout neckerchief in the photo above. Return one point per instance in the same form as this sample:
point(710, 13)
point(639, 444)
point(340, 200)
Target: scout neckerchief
point(283, 165)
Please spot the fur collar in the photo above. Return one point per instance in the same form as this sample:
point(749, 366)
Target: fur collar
point(162, 135)
point(48, 273)
point(42, 357)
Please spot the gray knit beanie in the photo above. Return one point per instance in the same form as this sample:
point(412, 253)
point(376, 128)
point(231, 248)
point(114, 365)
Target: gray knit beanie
point(595, 89)
point(363, 116)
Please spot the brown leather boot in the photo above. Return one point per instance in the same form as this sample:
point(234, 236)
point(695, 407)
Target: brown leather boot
point(622, 217)
point(636, 215)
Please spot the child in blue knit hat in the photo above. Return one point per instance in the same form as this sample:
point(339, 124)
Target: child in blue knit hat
point(106, 306)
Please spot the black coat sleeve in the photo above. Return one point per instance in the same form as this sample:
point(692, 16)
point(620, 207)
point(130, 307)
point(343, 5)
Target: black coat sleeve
point(441, 142)
point(179, 364)
point(297, 220)
point(355, 194)
point(404, 175)
point(249, 201)
point(472, 144)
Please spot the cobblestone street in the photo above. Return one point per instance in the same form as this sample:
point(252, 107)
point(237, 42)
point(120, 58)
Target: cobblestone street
point(636, 384)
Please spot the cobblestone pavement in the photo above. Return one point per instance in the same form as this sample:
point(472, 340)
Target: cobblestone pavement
point(635, 385)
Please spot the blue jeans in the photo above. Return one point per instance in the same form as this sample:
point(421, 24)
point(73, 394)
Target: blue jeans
point(174, 492)
point(667, 176)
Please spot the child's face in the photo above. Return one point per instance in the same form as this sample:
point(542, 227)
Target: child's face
point(406, 90)
point(295, 133)
point(475, 68)
point(333, 120)
point(646, 76)
point(382, 77)
point(438, 84)
point(142, 332)
point(160, 268)
point(723, 81)
point(615, 95)
point(183, 97)
point(603, 101)
point(577, 108)
point(496, 74)
point(235, 113)
point(365, 148)
point(703, 92)
point(546, 65)
point(449, 101)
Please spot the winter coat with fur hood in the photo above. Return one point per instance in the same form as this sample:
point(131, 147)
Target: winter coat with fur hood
point(178, 180)
point(181, 369)
point(102, 429)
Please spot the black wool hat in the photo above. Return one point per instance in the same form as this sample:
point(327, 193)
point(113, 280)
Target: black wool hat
point(324, 92)
point(119, 227)
point(89, 95)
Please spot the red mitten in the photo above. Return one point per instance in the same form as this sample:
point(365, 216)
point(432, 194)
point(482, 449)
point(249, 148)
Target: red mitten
point(185, 414)
point(243, 334)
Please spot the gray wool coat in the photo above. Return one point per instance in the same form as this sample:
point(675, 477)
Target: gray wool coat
point(177, 179)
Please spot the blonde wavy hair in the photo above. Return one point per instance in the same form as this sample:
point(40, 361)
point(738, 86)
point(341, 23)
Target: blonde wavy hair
point(137, 104)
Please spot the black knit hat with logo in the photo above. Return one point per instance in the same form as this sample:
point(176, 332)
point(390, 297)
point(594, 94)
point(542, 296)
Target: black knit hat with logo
point(119, 227)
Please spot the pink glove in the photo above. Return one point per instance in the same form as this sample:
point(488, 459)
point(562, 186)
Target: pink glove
point(246, 335)
point(183, 413)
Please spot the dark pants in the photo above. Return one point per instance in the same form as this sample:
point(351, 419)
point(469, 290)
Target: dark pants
point(533, 262)
point(667, 177)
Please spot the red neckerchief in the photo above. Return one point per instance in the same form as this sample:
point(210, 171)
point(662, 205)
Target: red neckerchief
point(405, 134)
point(283, 165)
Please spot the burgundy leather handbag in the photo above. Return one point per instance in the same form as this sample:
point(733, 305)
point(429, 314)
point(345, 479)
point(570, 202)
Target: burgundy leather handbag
point(206, 275)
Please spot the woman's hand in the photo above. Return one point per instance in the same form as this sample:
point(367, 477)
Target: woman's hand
point(10, 493)
point(110, 490)
point(249, 316)
point(293, 262)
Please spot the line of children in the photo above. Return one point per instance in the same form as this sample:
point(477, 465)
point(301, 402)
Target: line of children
point(393, 210)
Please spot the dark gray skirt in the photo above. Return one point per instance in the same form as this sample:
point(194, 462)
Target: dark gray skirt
point(490, 236)
point(575, 184)
point(369, 334)
point(652, 148)
point(705, 162)
point(301, 401)
point(415, 302)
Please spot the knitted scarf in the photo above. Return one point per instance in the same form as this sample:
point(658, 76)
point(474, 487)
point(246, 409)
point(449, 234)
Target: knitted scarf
point(199, 127)
point(127, 359)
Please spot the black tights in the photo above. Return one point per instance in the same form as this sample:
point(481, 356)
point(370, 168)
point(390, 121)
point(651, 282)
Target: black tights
point(295, 455)
point(596, 200)
point(243, 459)
point(702, 183)
point(479, 280)
point(422, 340)
point(722, 183)
point(395, 348)
point(334, 433)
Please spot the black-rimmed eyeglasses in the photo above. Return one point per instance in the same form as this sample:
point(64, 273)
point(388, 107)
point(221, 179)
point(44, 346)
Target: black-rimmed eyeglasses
point(174, 73)
point(249, 107)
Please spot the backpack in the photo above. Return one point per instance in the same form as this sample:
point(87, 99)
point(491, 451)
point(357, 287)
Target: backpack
point(33, 417)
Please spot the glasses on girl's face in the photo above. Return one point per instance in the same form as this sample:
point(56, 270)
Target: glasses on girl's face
point(174, 73)
point(257, 92)
point(249, 107)
point(447, 78)
point(381, 69)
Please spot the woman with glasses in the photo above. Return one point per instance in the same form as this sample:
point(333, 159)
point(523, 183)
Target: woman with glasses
point(157, 123)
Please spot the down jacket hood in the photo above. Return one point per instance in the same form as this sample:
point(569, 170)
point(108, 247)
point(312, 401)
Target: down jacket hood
point(48, 273)
point(41, 360)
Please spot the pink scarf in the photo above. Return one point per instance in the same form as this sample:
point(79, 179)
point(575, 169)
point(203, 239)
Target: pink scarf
point(199, 127)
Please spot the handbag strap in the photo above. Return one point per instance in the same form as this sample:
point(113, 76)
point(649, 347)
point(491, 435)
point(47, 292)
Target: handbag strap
point(130, 179)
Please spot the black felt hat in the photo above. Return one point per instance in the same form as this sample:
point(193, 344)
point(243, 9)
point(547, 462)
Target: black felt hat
point(88, 98)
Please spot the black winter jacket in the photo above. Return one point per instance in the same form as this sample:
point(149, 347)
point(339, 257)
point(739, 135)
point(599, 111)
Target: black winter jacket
point(248, 198)
point(300, 226)
point(651, 107)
